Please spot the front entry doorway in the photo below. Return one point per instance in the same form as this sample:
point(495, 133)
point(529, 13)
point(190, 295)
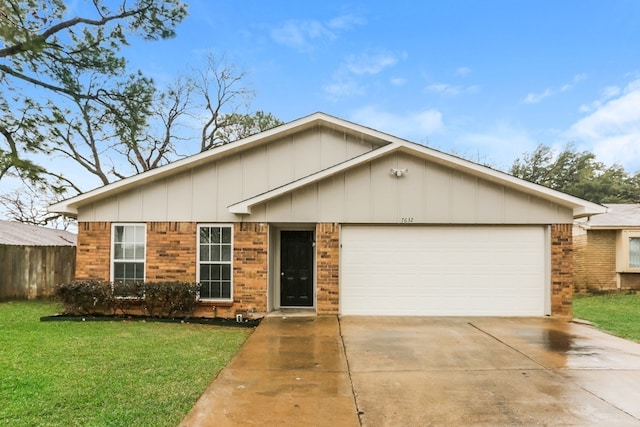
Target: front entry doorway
point(296, 268)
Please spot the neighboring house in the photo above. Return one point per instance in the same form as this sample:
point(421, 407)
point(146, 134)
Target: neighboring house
point(339, 218)
point(607, 250)
point(33, 260)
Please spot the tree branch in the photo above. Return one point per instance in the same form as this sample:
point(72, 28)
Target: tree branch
point(23, 46)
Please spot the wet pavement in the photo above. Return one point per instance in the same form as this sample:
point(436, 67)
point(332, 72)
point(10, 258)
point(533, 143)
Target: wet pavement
point(290, 372)
point(373, 371)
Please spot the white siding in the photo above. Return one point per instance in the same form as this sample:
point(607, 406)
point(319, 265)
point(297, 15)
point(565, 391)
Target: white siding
point(204, 192)
point(428, 193)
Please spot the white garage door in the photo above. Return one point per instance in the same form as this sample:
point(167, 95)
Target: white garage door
point(443, 271)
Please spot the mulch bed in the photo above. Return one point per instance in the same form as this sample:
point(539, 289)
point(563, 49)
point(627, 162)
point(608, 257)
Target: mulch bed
point(246, 323)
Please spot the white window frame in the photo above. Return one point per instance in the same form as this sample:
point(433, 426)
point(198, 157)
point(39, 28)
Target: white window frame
point(230, 262)
point(113, 260)
point(623, 259)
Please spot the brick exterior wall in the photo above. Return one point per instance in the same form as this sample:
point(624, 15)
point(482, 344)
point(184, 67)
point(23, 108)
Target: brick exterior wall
point(93, 256)
point(561, 270)
point(595, 261)
point(171, 256)
point(250, 277)
point(630, 281)
point(171, 251)
point(327, 268)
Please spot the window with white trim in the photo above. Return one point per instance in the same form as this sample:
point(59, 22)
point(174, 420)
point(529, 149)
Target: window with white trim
point(634, 252)
point(628, 251)
point(215, 265)
point(128, 253)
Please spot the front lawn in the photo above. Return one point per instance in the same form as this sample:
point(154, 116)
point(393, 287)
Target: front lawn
point(617, 314)
point(104, 373)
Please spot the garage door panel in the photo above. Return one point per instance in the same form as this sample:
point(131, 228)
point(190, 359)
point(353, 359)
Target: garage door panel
point(442, 270)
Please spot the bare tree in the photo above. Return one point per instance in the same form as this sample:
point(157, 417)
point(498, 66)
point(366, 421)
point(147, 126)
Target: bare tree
point(29, 205)
point(219, 86)
point(110, 123)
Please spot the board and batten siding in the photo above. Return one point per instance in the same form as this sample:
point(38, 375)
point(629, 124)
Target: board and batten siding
point(204, 192)
point(429, 193)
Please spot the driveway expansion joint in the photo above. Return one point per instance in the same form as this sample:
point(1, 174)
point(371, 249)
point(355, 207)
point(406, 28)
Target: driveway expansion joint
point(359, 412)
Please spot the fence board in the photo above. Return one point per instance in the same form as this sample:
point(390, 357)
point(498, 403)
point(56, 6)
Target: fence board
point(30, 272)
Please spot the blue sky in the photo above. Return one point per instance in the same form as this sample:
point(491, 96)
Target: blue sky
point(488, 80)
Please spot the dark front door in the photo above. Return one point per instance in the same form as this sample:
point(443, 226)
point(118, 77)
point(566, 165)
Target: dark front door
point(296, 268)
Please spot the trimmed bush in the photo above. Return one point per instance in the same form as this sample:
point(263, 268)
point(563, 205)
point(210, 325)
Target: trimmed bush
point(158, 299)
point(170, 299)
point(85, 297)
point(126, 297)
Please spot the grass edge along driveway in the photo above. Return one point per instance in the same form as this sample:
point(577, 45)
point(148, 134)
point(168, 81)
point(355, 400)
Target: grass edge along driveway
point(104, 373)
point(617, 314)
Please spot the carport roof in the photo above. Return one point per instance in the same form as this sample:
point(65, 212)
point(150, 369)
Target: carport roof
point(19, 234)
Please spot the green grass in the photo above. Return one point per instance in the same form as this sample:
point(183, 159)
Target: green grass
point(616, 314)
point(104, 373)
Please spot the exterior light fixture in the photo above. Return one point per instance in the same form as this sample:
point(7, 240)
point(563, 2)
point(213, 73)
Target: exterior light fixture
point(398, 172)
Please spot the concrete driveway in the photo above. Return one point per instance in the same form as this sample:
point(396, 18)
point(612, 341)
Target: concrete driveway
point(373, 371)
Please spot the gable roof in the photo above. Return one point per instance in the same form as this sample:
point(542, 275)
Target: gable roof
point(617, 216)
point(387, 145)
point(19, 234)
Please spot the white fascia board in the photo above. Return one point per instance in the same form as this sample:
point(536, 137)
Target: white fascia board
point(63, 208)
point(244, 207)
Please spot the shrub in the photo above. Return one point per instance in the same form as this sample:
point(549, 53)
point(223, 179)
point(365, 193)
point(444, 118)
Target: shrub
point(158, 299)
point(168, 299)
point(84, 297)
point(126, 297)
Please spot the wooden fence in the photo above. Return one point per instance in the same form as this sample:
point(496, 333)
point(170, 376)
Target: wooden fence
point(30, 272)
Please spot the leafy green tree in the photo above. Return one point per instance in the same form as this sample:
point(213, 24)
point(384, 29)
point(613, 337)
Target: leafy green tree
point(66, 92)
point(238, 126)
point(578, 173)
point(46, 54)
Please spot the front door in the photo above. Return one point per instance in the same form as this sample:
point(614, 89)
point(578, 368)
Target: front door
point(296, 268)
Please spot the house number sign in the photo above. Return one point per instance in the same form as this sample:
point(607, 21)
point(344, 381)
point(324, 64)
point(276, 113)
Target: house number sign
point(406, 219)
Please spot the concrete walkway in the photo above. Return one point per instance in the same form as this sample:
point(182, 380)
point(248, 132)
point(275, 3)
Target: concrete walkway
point(291, 372)
point(371, 371)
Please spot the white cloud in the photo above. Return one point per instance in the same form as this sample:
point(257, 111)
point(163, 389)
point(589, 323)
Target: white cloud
point(414, 126)
point(444, 88)
point(341, 89)
point(613, 127)
point(607, 93)
point(370, 63)
point(534, 98)
point(398, 81)
point(496, 145)
point(450, 90)
point(301, 35)
point(579, 78)
point(611, 92)
point(462, 71)
point(346, 22)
